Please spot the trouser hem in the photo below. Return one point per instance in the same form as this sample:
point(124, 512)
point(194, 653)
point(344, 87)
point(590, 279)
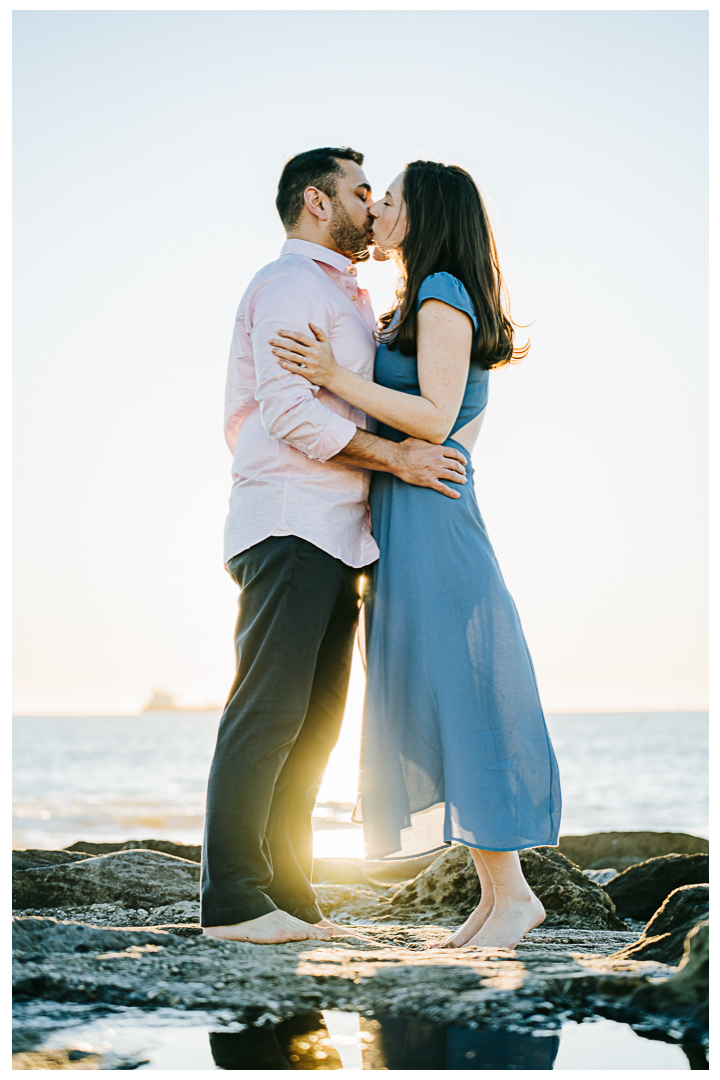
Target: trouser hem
point(310, 913)
point(241, 913)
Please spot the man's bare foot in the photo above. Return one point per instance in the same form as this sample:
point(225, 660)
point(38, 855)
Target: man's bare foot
point(343, 931)
point(508, 923)
point(335, 930)
point(470, 927)
point(271, 929)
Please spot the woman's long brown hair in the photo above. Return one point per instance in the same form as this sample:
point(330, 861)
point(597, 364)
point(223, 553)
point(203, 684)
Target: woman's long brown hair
point(448, 230)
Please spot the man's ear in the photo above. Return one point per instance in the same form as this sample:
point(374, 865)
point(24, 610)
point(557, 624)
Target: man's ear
point(317, 203)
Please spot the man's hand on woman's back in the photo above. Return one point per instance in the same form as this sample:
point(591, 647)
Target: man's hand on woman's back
point(415, 461)
point(426, 464)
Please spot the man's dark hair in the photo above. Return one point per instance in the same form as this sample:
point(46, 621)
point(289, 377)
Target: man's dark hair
point(313, 168)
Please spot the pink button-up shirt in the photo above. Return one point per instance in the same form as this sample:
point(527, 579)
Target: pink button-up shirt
point(283, 431)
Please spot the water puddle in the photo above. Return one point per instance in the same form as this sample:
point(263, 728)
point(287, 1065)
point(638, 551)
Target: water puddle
point(129, 1039)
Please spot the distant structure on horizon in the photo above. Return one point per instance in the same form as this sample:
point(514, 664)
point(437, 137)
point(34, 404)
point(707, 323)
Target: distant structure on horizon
point(161, 701)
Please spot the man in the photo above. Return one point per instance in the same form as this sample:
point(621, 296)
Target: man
point(296, 541)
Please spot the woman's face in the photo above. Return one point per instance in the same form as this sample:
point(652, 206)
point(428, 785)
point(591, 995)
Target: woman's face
point(389, 220)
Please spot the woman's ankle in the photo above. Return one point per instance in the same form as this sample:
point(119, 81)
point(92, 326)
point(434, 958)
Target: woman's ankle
point(515, 896)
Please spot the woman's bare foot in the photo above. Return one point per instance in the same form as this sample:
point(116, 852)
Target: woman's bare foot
point(508, 923)
point(271, 929)
point(477, 919)
point(474, 922)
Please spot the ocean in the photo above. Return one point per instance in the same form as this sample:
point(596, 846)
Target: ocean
point(136, 777)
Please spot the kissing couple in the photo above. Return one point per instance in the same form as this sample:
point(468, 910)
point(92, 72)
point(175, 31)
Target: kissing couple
point(351, 442)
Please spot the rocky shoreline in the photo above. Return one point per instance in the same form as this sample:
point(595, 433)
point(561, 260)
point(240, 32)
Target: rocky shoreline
point(119, 929)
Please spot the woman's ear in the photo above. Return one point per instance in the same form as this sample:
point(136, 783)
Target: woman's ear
point(315, 201)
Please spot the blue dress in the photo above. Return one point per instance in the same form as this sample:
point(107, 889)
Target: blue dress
point(454, 747)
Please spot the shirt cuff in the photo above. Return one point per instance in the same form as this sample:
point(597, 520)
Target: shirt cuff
point(336, 435)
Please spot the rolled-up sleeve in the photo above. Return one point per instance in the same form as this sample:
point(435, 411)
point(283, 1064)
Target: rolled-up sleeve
point(289, 409)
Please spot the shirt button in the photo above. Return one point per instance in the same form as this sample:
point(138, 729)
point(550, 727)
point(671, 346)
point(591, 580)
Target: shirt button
point(352, 270)
point(354, 296)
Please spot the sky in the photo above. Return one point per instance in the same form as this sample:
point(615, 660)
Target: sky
point(148, 147)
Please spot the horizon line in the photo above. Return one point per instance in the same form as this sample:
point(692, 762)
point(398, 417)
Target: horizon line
point(219, 708)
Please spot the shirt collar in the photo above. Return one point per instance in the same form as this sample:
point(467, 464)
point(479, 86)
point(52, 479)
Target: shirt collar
point(316, 252)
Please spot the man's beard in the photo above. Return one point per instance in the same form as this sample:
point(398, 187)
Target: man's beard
point(349, 239)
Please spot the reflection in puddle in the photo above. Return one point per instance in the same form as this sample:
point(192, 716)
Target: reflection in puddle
point(302, 1042)
point(336, 1040)
point(310, 1042)
point(396, 1043)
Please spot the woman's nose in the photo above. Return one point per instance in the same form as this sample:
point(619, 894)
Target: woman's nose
point(374, 210)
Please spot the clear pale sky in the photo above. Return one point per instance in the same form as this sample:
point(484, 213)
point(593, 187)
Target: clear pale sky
point(148, 147)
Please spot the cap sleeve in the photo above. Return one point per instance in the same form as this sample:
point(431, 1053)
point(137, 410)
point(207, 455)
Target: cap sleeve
point(450, 290)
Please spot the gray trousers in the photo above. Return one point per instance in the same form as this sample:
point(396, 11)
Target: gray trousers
point(295, 629)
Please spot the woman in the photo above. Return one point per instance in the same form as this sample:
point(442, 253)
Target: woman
point(455, 747)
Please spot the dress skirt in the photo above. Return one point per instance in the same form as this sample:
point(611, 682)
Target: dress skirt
point(455, 747)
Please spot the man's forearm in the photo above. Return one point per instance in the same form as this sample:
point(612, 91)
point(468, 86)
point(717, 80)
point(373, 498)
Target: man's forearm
point(415, 461)
point(367, 451)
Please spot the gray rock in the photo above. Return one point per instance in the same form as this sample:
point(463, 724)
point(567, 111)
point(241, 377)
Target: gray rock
point(132, 879)
point(450, 888)
point(25, 859)
point(113, 916)
point(594, 851)
point(601, 877)
point(640, 890)
point(688, 990)
point(568, 897)
point(191, 852)
point(579, 963)
point(193, 929)
point(389, 971)
point(664, 936)
point(187, 911)
point(34, 937)
point(353, 903)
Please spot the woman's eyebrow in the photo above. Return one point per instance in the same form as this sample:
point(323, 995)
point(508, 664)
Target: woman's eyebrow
point(388, 195)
